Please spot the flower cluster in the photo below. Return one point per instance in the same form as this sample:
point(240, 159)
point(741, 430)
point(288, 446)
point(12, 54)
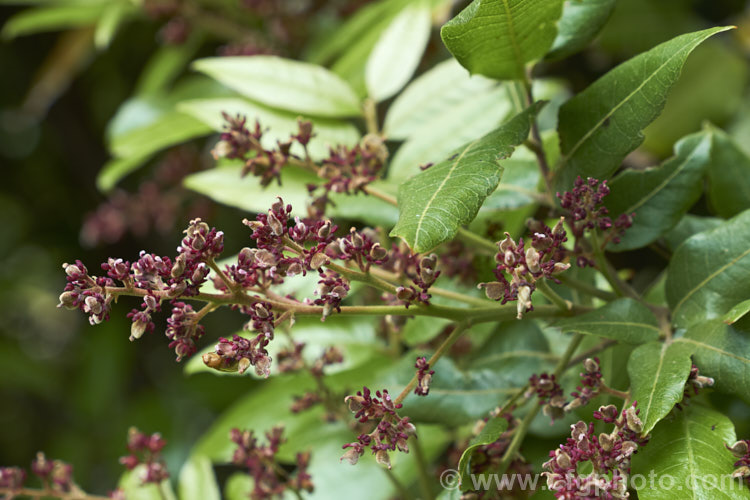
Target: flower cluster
point(590, 386)
point(543, 259)
point(269, 479)
point(741, 451)
point(345, 170)
point(695, 382)
point(391, 432)
point(424, 376)
point(584, 203)
point(608, 454)
point(155, 278)
point(145, 450)
point(549, 392)
point(360, 247)
point(420, 269)
point(349, 170)
point(238, 354)
point(56, 477)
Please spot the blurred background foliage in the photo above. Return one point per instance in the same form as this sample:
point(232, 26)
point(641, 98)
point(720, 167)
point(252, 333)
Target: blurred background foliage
point(68, 66)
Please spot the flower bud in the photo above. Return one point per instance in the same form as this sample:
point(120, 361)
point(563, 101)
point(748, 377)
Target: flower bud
point(68, 300)
point(562, 459)
point(318, 260)
point(212, 360)
point(381, 457)
point(377, 252)
point(242, 365)
point(494, 290)
point(325, 230)
point(742, 472)
point(739, 449)
point(532, 260)
point(524, 300)
point(590, 365)
point(632, 421)
point(606, 441)
point(559, 228)
point(405, 294)
point(275, 224)
point(200, 273)
point(628, 448)
point(559, 267)
point(351, 455)
point(138, 328)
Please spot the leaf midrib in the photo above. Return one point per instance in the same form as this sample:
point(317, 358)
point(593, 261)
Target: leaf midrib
point(664, 183)
point(609, 114)
point(513, 39)
point(437, 191)
point(708, 278)
point(662, 355)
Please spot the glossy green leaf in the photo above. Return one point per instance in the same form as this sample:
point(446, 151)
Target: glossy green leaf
point(197, 480)
point(497, 38)
point(624, 319)
point(721, 352)
point(728, 175)
point(688, 226)
point(659, 196)
point(225, 185)
point(444, 86)
point(708, 273)
point(52, 18)
point(580, 22)
point(398, 51)
point(490, 433)
point(602, 124)
point(658, 372)
point(282, 83)
point(280, 125)
point(435, 203)
point(687, 458)
point(473, 116)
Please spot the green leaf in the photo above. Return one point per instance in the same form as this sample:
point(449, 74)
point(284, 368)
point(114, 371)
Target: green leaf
point(708, 273)
point(282, 83)
point(602, 124)
point(721, 352)
point(435, 203)
point(52, 18)
point(737, 312)
point(398, 51)
point(688, 226)
point(225, 185)
point(197, 480)
point(518, 187)
point(444, 86)
point(497, 38)
point(473, 116)
point(117, 168)
point(687, 458)
point(659, 196)
point(658, 372)
point(130, 483)
point(165, 64)
point(624, 319)
point(280, 124)
point(111, 19)
point(495, 371)
point(580, 22)
point(490, 433)
point(728, 175)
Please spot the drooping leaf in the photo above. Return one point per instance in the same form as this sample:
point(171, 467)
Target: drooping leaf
point(708, 273)
point(624, 319)
point(398, 51)
point(473, 116)
point(579, 24)
point(490, 433)
point(435, 203)
point(687, 458)
point(282, 83)
point(442, 87)
point(278, 125)
point(602, 124)
point(225, 185)
point(688, 226)
point(497, 38)
point(52, 18)
point(721, 352)
point(197, 480)
point(728, 175)
point(658, 372)
point(659, 196)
